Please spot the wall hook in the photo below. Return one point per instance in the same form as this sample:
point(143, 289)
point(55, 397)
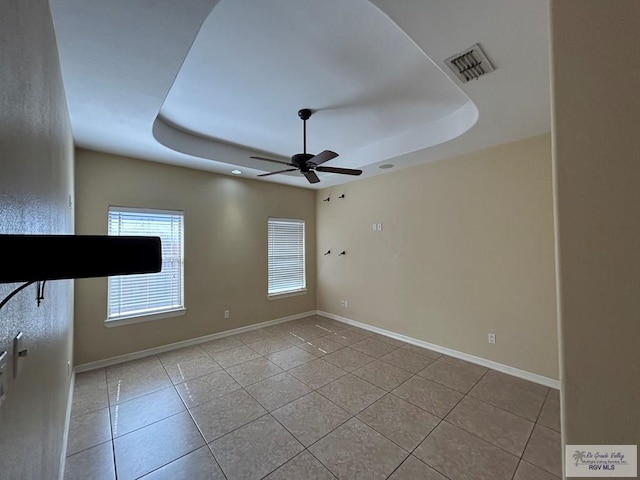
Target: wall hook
point(326, 199)
point(342, 253)
point(327, 252)
point(40, 291)
point(341, 196)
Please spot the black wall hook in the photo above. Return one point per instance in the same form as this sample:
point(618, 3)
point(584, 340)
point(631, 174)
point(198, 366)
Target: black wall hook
point(40, 292)
point(327, 252)
point(342, 253)
point(326, 199)
point(341, 196)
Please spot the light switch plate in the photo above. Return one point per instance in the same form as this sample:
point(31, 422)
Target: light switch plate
point(3, 376)
point(19, 352)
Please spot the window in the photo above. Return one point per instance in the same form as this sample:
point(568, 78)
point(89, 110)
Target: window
point(154, 295)
point(286, 256)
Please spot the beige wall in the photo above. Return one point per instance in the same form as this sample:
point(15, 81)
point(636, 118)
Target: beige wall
point(225, 249)
point(36, 180)
point(466, 249)
point(596, 85)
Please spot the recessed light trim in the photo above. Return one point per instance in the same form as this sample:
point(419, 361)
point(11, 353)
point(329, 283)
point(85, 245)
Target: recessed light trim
point(386, 166)
point(236, 172)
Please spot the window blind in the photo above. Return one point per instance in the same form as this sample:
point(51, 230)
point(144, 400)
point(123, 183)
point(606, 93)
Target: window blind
point(138, 295)
point(286, 255)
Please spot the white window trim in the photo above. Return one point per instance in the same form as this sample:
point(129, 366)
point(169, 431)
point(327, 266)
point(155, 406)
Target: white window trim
point(297, 291)
point(157, 211)
point(149, 317)
point(121, 321)
point(293, 293)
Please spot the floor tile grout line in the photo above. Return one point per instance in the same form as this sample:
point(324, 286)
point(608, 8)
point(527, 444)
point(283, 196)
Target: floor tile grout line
point(153, 423)
point(263, 406)
point(305, 448)
point(519, 457)
point(342, 346)
point(113, 439)
point(497, 406)
point(209, 444)
point(314, 443)
point(415, 405)
point(355, 416)
point(113, 443)
point(215, 396)
point(257, 381)
point(352, 417)
point(321, 463)
point(237, 428)
point(529, 440)
point(323, 436)
point(391, 440)
point(320, 393)
point(89, 448)
point(522, 460)
point(148, 425)
point(547, 399)
point(439, 423)
point(433, 430)
point(174, 460)
point(316, 388)
point(412, 455)
point(353, 349)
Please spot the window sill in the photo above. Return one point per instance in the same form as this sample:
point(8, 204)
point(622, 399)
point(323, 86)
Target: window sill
point(120, 322)
point(294, 293)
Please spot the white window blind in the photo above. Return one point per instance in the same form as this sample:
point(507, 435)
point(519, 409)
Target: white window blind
point(148, 294)
point(286, 255)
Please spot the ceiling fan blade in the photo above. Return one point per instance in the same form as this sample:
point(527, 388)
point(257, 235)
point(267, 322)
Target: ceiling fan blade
point(323, 157)
point(279, 171)
point(344, 171)
point(270, 160)
point(311, 176)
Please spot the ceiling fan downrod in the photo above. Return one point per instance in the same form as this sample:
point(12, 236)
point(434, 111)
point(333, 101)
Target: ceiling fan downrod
point(304, 114)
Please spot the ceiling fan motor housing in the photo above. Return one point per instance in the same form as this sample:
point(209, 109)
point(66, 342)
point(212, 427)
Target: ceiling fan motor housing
point(305, 113)
point(299, 160)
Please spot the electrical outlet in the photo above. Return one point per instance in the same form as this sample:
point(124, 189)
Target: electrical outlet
point(491, 338)
point(227, 314)
point(375, 227)
point(379, 227)
point(346, 304)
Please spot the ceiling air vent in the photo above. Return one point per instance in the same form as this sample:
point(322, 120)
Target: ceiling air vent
point(470, 64)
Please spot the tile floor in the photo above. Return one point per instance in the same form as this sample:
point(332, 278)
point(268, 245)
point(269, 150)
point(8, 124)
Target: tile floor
point(310, 399)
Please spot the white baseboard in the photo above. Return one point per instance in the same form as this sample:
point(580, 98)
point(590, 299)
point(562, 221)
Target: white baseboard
point(185, 343)
point(67, 422)
point(516, 372)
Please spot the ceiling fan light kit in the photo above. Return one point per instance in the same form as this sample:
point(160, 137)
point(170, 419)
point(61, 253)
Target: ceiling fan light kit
point(307, 163)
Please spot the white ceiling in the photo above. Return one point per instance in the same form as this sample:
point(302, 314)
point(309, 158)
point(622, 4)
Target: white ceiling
point(206, 84)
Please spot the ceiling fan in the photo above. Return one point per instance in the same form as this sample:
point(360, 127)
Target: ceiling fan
point(307, 162)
